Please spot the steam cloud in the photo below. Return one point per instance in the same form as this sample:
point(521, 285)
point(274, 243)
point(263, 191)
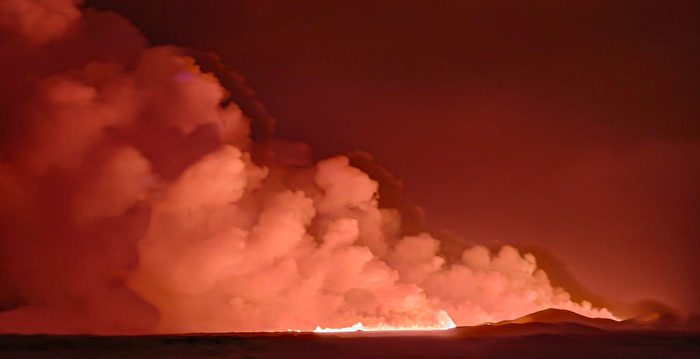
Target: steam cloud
point(133, 201)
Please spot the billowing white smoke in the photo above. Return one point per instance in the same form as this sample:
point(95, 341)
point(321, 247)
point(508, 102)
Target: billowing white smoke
point(116, 151)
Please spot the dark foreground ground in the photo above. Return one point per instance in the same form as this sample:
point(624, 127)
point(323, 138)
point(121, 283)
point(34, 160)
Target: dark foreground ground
point(448, 344)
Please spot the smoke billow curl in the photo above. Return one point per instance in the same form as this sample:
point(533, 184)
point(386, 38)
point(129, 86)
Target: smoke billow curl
point(133, 200)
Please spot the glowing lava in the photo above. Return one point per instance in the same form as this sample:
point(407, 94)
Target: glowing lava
point(444, 323)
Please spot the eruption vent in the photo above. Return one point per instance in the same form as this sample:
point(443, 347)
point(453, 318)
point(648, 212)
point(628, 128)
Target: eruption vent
point(132, 201)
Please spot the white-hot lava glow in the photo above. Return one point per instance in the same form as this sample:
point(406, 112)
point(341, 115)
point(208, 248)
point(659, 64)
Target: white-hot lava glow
point(445, 322)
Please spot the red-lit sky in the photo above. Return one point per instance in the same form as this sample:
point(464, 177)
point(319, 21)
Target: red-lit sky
point(572, 126)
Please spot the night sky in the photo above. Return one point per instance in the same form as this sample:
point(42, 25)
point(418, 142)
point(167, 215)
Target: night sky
point(571, 126)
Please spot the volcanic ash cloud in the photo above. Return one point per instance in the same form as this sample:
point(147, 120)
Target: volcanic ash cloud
point(132, 201)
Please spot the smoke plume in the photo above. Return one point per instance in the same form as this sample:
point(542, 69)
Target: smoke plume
point(133, 199)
